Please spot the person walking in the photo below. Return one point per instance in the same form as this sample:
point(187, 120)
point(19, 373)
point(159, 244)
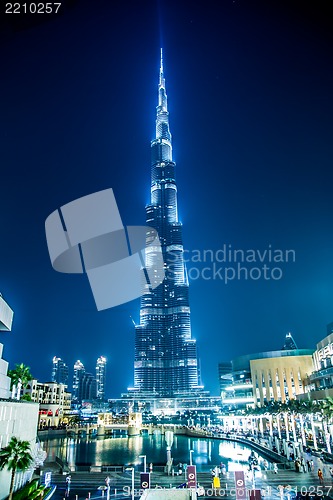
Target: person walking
point(303, 464)
point(331, 473)
point(320, 475)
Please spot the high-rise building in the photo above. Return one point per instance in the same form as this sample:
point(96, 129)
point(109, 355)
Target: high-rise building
point(166, 362)
point(87, 387)
point(101, 377)
point(79, 371)
point(59, 371)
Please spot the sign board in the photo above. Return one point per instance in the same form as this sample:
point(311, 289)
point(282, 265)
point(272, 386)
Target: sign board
point(47, 479)
point(191, 472)
point(145, 480)
point(240, 485)
point(255, 494)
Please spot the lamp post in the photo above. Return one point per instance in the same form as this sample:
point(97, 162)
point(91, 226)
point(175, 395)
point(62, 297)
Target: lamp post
point(144, 462)
point(132, 469)
point(191, 451)
point(253, 477)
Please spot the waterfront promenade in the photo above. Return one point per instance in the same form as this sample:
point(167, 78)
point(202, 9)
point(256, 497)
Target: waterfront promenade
point(85, 484)
point(281, 485)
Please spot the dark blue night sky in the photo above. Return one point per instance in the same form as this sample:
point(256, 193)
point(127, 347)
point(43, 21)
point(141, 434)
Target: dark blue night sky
point(249, 87)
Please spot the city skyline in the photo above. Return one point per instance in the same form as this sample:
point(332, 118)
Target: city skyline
point(250, 112)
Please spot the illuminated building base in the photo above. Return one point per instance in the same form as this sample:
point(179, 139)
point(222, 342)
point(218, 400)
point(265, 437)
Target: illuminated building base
point(195, 401)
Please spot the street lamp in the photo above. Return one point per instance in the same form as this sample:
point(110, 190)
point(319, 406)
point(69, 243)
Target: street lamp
point(144, 462)
point(191, 451)
point(132, 469)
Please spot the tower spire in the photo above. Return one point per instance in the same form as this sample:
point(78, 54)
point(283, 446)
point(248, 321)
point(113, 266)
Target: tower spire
point(161, 80)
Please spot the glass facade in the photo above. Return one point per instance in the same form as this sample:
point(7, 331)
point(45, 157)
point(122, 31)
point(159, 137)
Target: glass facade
point(165, 354)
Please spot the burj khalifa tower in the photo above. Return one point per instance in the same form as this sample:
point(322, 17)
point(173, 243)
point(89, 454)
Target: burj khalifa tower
point(166, 363)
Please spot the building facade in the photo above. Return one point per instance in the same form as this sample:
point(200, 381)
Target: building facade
point(59, 371)
point(166, 362)
point(6, 319)
point(100, 377)
point(319, 384)
point(238, 393)
point(268, 376)
point(87, 388)
point(225, 378)
point(17, 418)
point(280, 375)
point(54, 402)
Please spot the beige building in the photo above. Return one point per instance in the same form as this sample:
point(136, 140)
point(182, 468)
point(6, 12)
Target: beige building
point(280, 377)
point(54, 402)
point(267, 376)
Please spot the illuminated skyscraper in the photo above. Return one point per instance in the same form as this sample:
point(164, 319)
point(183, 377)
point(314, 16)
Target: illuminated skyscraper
point(101, 377)
point(165, 354)
point(79, 371)
point(59, 371)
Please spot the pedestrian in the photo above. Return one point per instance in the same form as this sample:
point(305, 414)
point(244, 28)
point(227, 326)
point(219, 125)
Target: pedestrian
point(320, 475)
point(297, 464)
point(331, 472)
point(275, 468)
point(312, 465)
point(303, 464)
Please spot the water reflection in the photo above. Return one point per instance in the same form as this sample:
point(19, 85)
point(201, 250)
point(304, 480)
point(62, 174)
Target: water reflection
point(125, 451)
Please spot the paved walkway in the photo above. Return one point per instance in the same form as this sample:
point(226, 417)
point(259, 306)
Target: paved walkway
point(282, 485)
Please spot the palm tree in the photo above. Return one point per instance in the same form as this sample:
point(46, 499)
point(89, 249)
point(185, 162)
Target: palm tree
point(285, 410)
point(312, 407)
point(20, 377)
point(276, 410)
point(16, 457)
point(327, 413)
point(293, 410)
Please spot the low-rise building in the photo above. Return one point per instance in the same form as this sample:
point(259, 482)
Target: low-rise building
point(268, 376)
point(54, 402)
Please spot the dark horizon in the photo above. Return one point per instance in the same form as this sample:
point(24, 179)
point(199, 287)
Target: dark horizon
point(250, 101)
